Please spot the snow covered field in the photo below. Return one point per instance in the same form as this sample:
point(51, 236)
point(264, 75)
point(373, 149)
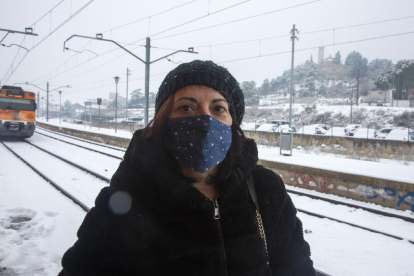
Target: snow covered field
point(38, 224)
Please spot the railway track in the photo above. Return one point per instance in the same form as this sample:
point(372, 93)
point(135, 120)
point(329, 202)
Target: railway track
point(333, 201)
point(290, 191)
point(86, 208)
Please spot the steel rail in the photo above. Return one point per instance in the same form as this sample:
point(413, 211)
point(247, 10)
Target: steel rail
point(73, 164)
point(352, 224)
point(54, 184)
point(333, 201)
point(104, 153)
point(75, 138)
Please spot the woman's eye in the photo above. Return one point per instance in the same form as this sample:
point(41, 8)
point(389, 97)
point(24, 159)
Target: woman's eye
point(186, 108)
point(219, 109)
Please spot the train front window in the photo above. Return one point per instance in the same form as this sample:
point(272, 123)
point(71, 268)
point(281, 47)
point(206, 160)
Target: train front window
point(17, 104)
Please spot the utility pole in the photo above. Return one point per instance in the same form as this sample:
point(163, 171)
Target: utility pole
point(38, 104)
point(350, 117)
point(126, 105)
point(147, 72)
point(293, 37)
point(357, 95)
point(47, 102)
point(147, 62)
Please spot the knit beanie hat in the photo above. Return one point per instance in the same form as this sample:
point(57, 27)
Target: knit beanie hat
point(205, 73)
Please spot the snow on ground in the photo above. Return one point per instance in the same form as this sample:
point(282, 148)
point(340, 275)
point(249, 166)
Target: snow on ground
point(337, 249)
point(93, 129)
point(379, 170)
point(37, 223)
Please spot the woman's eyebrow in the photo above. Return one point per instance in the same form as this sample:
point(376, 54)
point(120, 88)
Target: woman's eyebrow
point(194, 100)
point(218, 100)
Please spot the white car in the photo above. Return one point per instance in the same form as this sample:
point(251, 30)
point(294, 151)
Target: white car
point(284, 128)
point(350, 130)
point(320, 130)
point(383, 132)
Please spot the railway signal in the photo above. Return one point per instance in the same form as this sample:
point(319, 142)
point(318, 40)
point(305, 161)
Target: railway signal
point(99, 101)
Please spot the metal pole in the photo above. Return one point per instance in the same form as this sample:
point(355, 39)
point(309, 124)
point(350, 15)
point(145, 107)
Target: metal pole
point(357, 95)
point(60, 107)
point(116, 105)
point(126, 105)
point(147, 72)
point(38, 104)
point(90, 115)
point(47, 102)
point(352, 94)
point(84, 115)
point(291, 74)
point(99, 125)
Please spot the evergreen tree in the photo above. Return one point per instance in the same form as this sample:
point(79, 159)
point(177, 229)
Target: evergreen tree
point(337, 58)
point(135, 95)
point(379, 66)
point(355, 61)
point(249, 89)
point(265, 88)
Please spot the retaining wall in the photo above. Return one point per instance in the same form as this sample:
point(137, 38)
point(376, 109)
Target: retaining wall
point(370, 148)
point(393, 194)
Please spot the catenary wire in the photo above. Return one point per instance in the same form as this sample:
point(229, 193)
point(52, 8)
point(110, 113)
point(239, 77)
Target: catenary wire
point(145, 18)
point(240, 19)
point(316, 47)
point(52, 32)
point(198, 18)
point(304, 33)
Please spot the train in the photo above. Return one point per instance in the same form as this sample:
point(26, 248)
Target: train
point(17, 112)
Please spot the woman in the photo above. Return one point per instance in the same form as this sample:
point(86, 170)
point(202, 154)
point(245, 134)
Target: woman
point(185, 200)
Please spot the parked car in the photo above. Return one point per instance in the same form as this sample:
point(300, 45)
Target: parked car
point(380, 103)
point(284, 128)
point(401, 134)
point(76, 121)
point(132, 120)
point(320, 130)
point(279, 122)
point(382, 133)
point(350, 130)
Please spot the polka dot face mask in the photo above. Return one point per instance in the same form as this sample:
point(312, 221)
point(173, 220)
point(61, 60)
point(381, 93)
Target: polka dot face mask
point(199, 142)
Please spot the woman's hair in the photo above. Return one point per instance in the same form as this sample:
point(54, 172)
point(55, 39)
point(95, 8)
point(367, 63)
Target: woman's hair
point(157, 130)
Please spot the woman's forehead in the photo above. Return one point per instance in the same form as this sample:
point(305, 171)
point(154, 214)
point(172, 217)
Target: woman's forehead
point(198, 92)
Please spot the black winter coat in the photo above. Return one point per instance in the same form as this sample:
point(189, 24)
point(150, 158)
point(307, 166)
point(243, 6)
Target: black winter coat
point(171, 228)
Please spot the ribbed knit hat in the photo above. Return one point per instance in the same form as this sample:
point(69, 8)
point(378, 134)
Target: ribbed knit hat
point(205, 73)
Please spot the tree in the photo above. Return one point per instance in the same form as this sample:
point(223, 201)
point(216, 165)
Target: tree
point(337, 58)
point(67, 109)
point(355, 61)
point(135, 95)
point(265, 88)
point(112, 104)
point(378, 66)
point(249, 89)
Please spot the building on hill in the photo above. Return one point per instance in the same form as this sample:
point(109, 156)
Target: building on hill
point(328, 69)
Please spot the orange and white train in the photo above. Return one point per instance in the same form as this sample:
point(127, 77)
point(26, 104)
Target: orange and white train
point(17, 112)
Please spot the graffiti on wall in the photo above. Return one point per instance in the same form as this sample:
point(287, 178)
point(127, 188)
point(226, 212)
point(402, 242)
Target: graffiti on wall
point(308, 180)
point(373, 192)
point(368, 192)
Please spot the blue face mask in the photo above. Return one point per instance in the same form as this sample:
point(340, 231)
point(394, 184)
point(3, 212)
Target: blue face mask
point(199, 142)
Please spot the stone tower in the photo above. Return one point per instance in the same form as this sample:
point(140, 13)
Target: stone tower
point(321, 55)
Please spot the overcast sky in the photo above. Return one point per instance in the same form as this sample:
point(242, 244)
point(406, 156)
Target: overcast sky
point(91, 74)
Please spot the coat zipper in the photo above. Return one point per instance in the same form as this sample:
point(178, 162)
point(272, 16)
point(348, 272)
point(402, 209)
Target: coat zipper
point(217, 218)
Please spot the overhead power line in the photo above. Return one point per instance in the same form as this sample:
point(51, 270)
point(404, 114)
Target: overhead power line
point(304, 33)
point(240, 19)
point(51, 32)
point(316, 47)
point(148, 17)
point(201, 17)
